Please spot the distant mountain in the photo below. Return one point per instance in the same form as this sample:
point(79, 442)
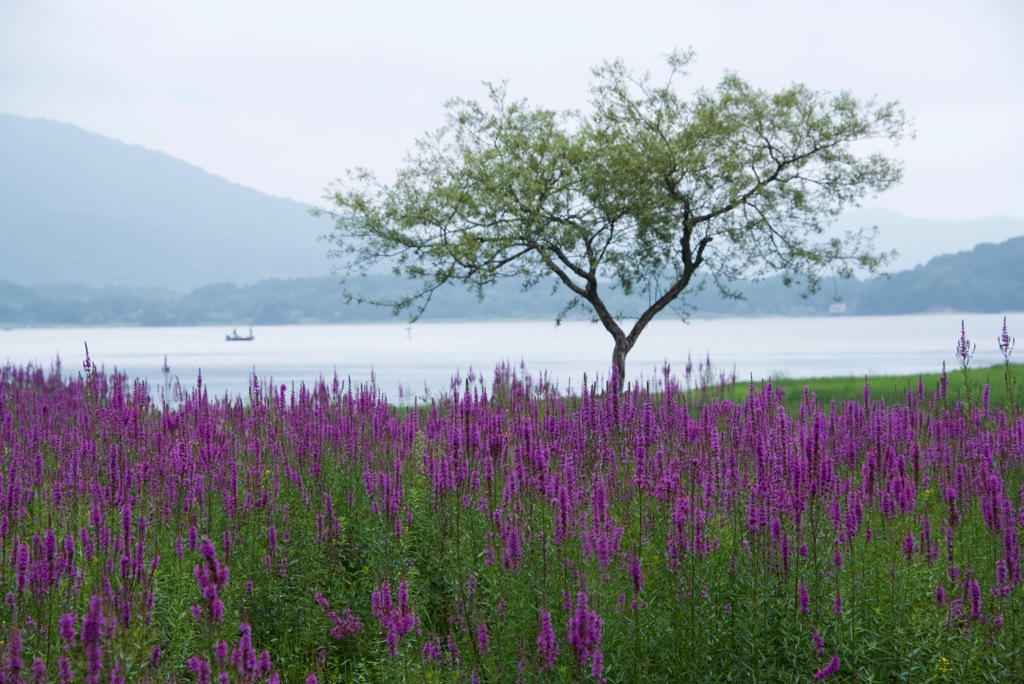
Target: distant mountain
point(79, 208)
point(989, 278)
point(76, 207)
point(917, 240)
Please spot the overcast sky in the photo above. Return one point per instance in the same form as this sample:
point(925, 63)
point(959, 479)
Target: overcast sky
point(284, 96)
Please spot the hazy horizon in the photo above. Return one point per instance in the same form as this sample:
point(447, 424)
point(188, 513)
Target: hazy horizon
point(75, 199)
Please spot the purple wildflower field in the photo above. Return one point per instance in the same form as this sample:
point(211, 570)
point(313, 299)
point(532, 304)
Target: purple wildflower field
point(507, 533)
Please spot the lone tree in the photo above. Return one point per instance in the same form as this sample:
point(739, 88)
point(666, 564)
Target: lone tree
point(639, 194)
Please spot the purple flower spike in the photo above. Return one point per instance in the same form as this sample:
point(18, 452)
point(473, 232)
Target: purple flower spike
point(39, 670)
point(964, 348)
point(547, 645)
point(831, 669)
point(637, 575)
point(584, 630)
point(201, 667)
point(1006, 342)
point(483, 639)
point(396, 620)
point(974, 594)
point(67, 628)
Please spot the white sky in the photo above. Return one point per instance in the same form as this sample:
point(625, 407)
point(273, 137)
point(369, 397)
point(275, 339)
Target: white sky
point(284, 96)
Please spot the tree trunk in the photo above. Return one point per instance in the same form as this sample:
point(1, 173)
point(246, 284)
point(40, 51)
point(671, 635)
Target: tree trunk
point(618, 379)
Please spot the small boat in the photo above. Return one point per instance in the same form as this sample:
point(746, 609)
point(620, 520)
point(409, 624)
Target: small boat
point(235, 337)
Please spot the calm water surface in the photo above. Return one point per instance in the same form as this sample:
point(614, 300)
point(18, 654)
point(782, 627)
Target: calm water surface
point(426, 356)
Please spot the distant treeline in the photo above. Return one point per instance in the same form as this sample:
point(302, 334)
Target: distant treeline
point(987, 279)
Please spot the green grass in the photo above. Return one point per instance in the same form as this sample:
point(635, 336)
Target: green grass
point(892, 388)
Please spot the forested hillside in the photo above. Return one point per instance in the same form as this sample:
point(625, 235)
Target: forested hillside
point(986, 279)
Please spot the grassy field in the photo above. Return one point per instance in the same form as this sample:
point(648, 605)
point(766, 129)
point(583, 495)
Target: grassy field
point(891, 388)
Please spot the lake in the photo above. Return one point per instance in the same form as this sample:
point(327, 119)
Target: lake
point(424, 358)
